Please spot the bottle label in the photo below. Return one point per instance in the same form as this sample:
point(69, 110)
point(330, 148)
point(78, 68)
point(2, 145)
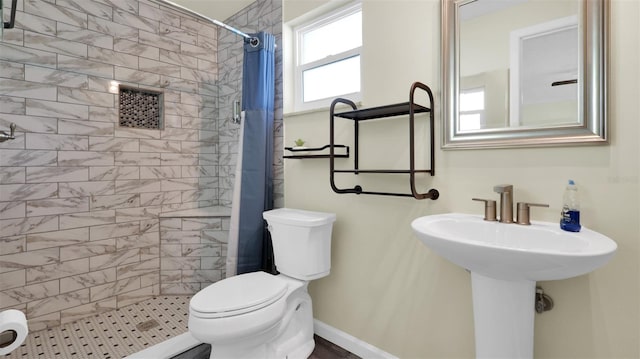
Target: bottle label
point(570, 220)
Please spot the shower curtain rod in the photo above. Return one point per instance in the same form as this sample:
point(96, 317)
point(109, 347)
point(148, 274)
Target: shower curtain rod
point(252, 40)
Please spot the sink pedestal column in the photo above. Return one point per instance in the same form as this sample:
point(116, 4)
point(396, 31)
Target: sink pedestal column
point(503, 312)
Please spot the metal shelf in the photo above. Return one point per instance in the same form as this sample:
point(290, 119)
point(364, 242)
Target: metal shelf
point(315, 149)
point(402, 109)
point(398, 109)
point(382, 171)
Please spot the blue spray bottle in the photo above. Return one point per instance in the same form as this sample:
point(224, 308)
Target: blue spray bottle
point(570, 217)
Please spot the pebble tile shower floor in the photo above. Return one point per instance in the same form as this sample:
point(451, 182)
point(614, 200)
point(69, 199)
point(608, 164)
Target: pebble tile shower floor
point(110, 335)
point(128, 330)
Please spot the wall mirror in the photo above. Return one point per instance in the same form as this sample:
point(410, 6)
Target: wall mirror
point(523, 73)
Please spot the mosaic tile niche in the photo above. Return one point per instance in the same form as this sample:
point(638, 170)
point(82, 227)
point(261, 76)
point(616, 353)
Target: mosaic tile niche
point(80, 196)
point(140, 108)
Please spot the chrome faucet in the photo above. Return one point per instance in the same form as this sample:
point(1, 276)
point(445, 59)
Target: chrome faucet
point(8, 136)
point(506, 202)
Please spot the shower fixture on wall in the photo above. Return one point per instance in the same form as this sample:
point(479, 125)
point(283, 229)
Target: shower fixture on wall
point(254, 41)
point(237, 112)
point(8, 136)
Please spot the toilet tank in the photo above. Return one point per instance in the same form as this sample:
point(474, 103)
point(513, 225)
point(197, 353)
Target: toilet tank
point(301, 242)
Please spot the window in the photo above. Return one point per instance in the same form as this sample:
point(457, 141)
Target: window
point(327, 58)
point(471, 109)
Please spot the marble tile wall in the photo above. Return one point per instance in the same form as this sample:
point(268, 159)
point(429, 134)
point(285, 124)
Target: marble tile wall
point(264, 15)
point(80, 196)
point(193, 252)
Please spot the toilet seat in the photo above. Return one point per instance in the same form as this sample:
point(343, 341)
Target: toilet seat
point(238, 295)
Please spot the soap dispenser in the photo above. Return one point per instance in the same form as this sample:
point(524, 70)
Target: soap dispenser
point(570, 216)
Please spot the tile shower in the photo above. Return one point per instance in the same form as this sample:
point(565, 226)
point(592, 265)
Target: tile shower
point(81, 197)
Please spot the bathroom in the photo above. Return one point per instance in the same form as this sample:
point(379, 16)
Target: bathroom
point(385, 288)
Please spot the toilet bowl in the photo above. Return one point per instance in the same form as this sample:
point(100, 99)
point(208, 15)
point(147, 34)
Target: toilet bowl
point(259, 315)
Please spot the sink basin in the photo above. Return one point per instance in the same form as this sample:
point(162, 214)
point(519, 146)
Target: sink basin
point(541, 251)
point(505, 261)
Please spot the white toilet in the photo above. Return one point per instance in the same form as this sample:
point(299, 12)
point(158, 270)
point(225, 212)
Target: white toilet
point(259, 315)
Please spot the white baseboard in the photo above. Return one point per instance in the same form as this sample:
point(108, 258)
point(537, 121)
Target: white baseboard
point(184, 342)
point(349, 342)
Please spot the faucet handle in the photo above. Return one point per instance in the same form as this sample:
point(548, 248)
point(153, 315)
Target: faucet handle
point(501, 188)
point(523, 213)
point(489, 209)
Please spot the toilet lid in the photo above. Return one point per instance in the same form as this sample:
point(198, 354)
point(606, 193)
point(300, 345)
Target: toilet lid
point(240, 294)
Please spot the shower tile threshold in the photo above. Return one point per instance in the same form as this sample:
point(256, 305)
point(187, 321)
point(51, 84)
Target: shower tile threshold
point(131, 331)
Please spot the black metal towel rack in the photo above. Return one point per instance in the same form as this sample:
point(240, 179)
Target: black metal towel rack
point(307, 152)
point(407, 108)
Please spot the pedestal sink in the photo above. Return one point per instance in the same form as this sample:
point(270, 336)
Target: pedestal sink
point(505, 261)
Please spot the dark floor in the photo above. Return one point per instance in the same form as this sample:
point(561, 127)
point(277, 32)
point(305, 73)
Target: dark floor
point(323, 350)
point(327, 350)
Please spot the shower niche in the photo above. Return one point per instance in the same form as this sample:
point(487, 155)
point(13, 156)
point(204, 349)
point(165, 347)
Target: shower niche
point(140, 108)
point(395, 112)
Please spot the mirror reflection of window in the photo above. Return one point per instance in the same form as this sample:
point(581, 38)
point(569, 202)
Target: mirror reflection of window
point(471, 109)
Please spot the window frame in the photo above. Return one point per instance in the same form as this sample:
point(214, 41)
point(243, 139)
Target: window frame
point(298, 32)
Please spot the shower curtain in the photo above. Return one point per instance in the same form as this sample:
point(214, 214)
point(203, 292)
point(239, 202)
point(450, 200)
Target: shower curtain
point(249, 247)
